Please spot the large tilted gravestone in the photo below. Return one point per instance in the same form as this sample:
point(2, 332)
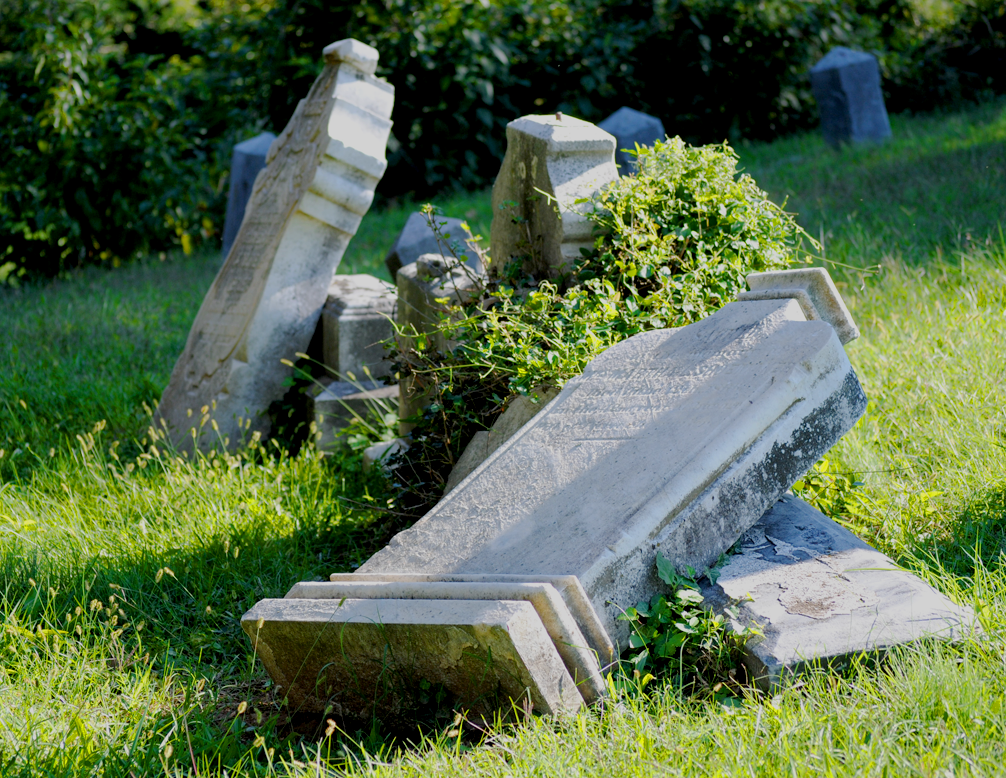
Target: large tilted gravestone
point(551, 163)
point(846, 86)
point(673, 440)
point(418, 238)
point(247, 159)
point(631, 128)
point(264, 305)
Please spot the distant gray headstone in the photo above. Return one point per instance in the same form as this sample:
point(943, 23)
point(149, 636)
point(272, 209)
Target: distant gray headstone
point(846, 85)
point(416, 239)
point(630, 127)
point(247, 160)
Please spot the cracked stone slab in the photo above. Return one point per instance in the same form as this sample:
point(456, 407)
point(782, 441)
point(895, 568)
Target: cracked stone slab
point(264, 304)
point(820, 594)
point(367, 656)
point(677, 440)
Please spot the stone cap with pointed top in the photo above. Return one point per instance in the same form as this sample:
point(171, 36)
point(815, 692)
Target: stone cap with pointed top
point(813, 289)
point(354, 52)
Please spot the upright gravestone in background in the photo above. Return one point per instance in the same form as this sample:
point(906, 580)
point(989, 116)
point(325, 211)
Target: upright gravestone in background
point(631, 127)
point(264, 305)
point(246, 162)
point(417, 238)
point(551, 162)
point(846, 85)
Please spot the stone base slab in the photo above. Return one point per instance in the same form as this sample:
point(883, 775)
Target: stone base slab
point(821, 595)
point(356, 658)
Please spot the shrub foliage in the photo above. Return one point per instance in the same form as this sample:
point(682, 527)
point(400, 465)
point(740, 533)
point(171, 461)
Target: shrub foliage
point(673, 244)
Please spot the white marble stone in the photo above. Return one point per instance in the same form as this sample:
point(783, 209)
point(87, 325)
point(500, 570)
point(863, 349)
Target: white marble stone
point(264, 305)
point(551, 162)
point(820, 595)
point(358, 317)
point(366, 657)
point(676, 440)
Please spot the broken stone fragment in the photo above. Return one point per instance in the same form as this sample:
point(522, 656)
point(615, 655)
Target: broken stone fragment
point(821, 595)
point(357, 319)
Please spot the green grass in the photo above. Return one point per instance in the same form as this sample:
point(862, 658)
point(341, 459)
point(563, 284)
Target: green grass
point(161, 680)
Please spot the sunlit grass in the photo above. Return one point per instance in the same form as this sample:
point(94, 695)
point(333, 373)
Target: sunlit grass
point(124, 570)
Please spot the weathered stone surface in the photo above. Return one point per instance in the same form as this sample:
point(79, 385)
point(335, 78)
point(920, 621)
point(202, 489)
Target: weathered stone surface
point(813, 289)
point(820, 594)
point(358, 315)
point(247, 159)
point(342, 401)
point(380, 453)
point(846, 85)
point(371, 654)
point(520, 411)
point(568, 587)
point(264, 305)
point(580, 660)
point(677, 440)
point(631, 127)
point(417, 238)
point(550, 163)
point(421, 288)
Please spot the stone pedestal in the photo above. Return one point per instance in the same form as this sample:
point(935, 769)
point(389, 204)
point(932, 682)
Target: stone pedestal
point(846, 85)
point(358, 317)
point(550, 163)
point(264, 305)
point(247, 160)
point(631, 128)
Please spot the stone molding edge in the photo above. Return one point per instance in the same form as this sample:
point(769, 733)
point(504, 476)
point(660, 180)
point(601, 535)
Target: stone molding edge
point(580, 660)
point(815, 291)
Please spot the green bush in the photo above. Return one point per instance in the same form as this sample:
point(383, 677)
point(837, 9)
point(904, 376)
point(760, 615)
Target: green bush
point(674, 243)
point(105, 155)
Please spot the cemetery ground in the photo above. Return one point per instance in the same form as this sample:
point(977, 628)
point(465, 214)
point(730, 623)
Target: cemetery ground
point(124, 571)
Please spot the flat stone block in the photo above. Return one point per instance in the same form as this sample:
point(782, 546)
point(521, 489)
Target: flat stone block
point(417, 238)
point(358, 316)
point(580, 659)
point(247, 159)
point(822, 595)
point(846, 85)
point(677, 440)
point(631, 127)
point(342, 401)
point(367, 656)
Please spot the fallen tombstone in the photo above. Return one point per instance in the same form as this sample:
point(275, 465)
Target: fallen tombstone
point(247, 159)
point(846, 86)
point(821, 596)
point(417, 238)
point(553, 165)
point(358, 317)
point(675, 441)
point(264, 305)
point(631, 128)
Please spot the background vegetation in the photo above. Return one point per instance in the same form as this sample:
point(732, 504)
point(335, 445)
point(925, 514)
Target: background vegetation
point(117, 116)
point(123, 572)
